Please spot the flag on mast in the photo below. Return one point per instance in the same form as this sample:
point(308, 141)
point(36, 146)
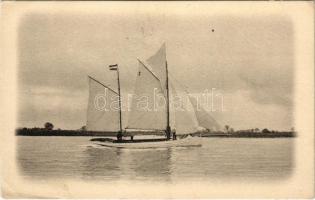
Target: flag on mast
point(113, 67)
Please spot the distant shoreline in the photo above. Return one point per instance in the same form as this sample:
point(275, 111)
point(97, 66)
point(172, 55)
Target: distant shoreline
point(252, 134)
point(238, 134)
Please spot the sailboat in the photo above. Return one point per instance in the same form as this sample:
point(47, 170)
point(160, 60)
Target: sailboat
point(159, 105)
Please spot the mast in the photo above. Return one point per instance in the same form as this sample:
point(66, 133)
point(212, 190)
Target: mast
point(115, 68)
point(168, 128)
point(119, 97)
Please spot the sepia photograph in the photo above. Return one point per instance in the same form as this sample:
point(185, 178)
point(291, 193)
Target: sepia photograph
point(158, 99)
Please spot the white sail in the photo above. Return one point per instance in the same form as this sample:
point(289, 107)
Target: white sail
point(158, 64)
point(183, 118)
point(103, 112)
point(182, 115)
point(205, 120)
point(148, 107)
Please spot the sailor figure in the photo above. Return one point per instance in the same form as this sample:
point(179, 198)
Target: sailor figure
point(174, 134)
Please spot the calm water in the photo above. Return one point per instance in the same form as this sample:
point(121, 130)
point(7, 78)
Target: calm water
point(217, 159)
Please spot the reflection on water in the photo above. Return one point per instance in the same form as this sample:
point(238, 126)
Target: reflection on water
point(100, 163)
point(128, 164)
point(217, 159)
point(151, 163)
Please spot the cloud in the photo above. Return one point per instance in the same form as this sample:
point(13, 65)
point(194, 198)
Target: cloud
point(269, 86)
point(241, 112)
point(62, 108)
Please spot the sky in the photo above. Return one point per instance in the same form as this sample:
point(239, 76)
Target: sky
point(249, 60)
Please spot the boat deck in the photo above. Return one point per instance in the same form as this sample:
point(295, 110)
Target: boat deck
point(128, 141)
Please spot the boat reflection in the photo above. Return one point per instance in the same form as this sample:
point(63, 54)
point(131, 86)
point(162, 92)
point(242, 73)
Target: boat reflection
point(100, 163)
point(128, 164)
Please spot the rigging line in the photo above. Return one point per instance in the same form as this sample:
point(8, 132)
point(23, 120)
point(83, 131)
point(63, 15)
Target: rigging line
point(103, 85)
point(149, 70)
point(145, 65)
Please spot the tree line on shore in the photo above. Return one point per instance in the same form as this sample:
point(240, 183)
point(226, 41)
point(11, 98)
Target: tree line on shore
point(48, 130)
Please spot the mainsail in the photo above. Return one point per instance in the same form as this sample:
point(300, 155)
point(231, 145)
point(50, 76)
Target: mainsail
point(103, 112)
point(182, 116)
point(188, 118)
point(148, 107)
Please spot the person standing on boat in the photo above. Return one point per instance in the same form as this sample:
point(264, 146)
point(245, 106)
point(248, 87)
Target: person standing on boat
point(119, 136)
point(174, 134)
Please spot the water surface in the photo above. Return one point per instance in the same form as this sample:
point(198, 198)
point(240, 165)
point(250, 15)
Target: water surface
point(250, 159)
